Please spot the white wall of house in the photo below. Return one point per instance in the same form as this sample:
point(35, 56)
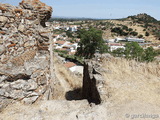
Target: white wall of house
point(116, 47)
point(130, 39)
point(75, 45)
point(78, 69)
point(72, 50)
point(119, 39)
point(58, 47)
point(72, 69)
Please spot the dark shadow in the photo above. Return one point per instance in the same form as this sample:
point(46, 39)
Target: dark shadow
point(74, 94)
point(13, 78)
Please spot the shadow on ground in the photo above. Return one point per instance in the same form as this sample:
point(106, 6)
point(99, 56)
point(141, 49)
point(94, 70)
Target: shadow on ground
point(74, 94)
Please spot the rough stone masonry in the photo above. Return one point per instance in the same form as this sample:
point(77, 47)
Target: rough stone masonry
point(24, 55)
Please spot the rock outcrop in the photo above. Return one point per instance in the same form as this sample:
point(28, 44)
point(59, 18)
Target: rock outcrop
point(24, 63)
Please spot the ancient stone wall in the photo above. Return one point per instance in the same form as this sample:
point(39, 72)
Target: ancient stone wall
point(24, 64)
point(93, 83)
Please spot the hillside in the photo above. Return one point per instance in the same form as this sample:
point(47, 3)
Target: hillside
point(143, 18)
point(144, 25)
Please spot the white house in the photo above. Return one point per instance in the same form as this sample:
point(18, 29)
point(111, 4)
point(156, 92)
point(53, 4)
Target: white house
point(73, 28)
point(71, 66)
point(110, 41)
point(55, 37)
point(114, 46)
point(74, 68)
point(132, 39)
point(120, 39)
point(75, 46)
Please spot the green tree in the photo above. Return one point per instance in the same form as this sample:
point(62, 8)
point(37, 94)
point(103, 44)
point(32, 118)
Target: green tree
point(91, 42)
point(134, 33)
point(140, 36)
point(146, 34)
point(69, 34)
point(125, 27)
point(130, 29)
point(133, 51)
point(118, 52)
point(149, 54)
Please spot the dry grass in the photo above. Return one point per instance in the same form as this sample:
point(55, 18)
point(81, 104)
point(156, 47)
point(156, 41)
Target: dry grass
point(131, 80)
point(64, 73)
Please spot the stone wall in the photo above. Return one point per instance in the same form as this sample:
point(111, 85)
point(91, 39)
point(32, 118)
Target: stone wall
point(24, 64)
point(93, 83)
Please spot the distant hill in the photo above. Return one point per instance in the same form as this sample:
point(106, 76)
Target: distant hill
point(149, 23)
point(143, 18)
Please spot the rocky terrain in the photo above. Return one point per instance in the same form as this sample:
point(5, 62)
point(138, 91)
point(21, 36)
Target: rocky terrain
point(34, 84)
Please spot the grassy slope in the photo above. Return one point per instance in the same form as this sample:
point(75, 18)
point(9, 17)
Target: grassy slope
point(130, 80)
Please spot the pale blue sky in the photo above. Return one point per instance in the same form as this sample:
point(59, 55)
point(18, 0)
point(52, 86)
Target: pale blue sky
point(100, 8)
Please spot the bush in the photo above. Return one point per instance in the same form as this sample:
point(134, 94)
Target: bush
point(134, 33)
point(146, 34)
point(140, 36)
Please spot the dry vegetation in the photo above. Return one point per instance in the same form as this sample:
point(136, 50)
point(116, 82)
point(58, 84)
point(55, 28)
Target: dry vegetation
point(135, 26)
point(130, 80)
point(67, 80)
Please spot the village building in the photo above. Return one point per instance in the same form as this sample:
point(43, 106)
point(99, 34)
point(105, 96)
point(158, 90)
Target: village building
point(114, 46)
point(133, 39)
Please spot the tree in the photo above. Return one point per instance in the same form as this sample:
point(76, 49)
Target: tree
point(125, 27)
point(140, 36)
point(130, 29)
point(146, 34)
point(69, 34)
point(149, 54)
point(118, 52)
point(134, 33)
point(133, 51)
point(91, 41)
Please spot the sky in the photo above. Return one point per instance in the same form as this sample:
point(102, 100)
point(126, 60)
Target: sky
point(108, 9)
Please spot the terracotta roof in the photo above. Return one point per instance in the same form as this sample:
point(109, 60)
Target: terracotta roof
point(70, 43)
point(69, 64)
point(60, 42)
point(65, 49)
point(55, 35)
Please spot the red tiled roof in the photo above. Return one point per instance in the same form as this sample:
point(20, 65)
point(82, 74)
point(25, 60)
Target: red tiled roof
point(70, 43)
point(69, 64)
point(60, 42)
